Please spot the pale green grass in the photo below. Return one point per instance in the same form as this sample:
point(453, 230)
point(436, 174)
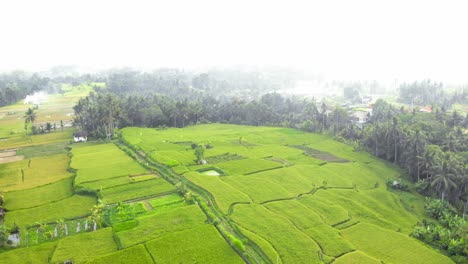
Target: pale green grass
point(165, 200)
point(356, 257)
point(136, 190)
point(23, 140)
point(301, 216)
point(224, 194)
point(198, 245)
point(345, 192)
point(107, 183)
point(45, 194)
point(74, 206)
point(145, 177)
point(280, 183)
point(331, 213)
point(159, 224)
point(312, 225)
point(329, 240)
point(247, 166)
point(376, 206)
point(84, 247)
point(42, 171)
point(105, 161)
point(390, 246)
point(292, 245)
point(33, 255)
point(266, 247)
point(135, 255)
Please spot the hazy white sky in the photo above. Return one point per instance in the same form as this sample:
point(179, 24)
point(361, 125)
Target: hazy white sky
point(349, 39)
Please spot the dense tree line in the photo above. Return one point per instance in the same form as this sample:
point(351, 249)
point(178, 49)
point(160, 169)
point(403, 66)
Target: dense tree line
point(432, 147)
point(17, 85)
point(180, 84)
point(102, 112)
point(430, 93)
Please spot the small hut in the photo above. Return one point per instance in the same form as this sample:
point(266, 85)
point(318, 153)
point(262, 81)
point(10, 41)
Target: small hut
point(81, 136)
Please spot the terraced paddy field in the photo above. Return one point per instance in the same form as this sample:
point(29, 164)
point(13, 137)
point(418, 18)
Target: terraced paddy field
point(300, 197)
point(102, 162)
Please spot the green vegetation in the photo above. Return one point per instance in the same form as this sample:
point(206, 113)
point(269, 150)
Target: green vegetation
point(53, 192)
point(101, 162)
point(159, 224)
point(202, 244)
point(107, 183)
point(37, 172)
point(266, 247)
point(292, 245)
point(389, 246)
point(165, 200)
point(135, 255)
point(300, 204)
point(136, 190)
point(85, 247)
point(71, 207)
point(450, 233)
point(356, 257)
point(43, 150)
point(329, 240)
point(247, 166)
point(35, 255)
point(225, 195)
point(223, 158)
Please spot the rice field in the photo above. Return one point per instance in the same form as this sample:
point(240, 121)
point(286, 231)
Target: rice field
point(84, 247)
point(391, 247)
point(202, 244)
point(34, 255)
point(28, 198)
point(136, 190)
point(27, 174)
point(298, 207)
point(293, 246)
point(295, 207)
point(135, 255)
point(224, 193)
point(101, 162)
point(74, 206)
point(356, 257)
point(162, 223)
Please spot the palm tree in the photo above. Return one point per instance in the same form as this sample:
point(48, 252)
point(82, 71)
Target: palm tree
point(418, 142)
point(30, 117)
point(445, 173)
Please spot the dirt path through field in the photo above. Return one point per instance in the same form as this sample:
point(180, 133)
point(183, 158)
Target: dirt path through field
point(9, 156)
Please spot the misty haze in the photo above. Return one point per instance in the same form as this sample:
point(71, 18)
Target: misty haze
point(233, 132)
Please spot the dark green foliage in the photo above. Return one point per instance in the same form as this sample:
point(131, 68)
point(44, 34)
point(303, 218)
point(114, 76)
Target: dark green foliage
point(200, 154)
point(223, 157)
point(43, 150)
point(449, 233)
point(322, 155)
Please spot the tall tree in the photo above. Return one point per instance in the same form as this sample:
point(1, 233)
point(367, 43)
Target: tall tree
point(30, 117)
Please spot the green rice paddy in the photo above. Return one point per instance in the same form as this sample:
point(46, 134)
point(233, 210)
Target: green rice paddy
point(295, 204)
point(299, 204)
